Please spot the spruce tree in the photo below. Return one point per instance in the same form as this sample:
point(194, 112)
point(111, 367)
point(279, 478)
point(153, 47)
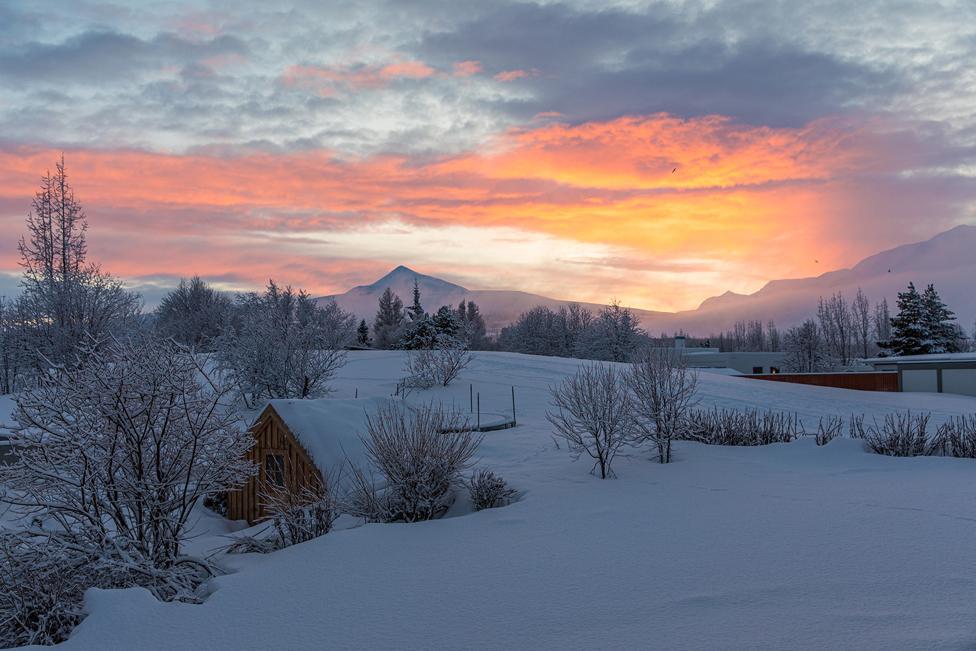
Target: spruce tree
point(909, 328)
point(446, 323)
point(389, 317)
point(362, 333)
point(416, 310)
point(938, 319)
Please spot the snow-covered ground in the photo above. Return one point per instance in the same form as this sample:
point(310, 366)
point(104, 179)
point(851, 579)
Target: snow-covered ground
point(785, 546)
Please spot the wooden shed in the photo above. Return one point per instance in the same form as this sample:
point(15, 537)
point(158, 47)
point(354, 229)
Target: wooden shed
point(296, 441)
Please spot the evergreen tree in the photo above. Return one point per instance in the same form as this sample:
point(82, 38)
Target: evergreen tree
point(416, 310)
point(421, 335)
point(475, 330)
point(362, 333)
point(447, 323)
point(909, 329)
point(943, 334)
point(389, 319)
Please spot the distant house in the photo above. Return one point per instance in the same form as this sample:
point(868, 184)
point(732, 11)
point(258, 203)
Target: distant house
point(938, 373)
point(746, 362)
point(297, 442)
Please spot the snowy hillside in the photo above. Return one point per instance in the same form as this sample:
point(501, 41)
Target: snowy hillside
point(945, 260)
point(785, 546)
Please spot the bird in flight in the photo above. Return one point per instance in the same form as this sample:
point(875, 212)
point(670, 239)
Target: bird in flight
point(674, 170)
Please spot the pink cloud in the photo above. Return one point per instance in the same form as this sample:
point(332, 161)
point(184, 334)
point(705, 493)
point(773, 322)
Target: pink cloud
point(512, 75)
point(329, 80)
point(466, 68)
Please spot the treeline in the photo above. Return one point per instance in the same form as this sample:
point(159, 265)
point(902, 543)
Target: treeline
point(412, 328)
point(612, 334)
point(844, 331)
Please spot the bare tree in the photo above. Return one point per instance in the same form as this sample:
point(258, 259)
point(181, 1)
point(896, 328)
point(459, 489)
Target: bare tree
point(882, 323)
point(194, 314)
point(437, 366)
point(837, 327)
point(284, 345)
point(664, 390)
point(861, 318)
point(805, 349)
point(67, 301)
point(118, 452)
point(593, 414)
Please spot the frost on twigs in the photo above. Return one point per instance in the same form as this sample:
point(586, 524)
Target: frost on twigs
point(592, 411)
point(487, 491)
point(419, 454)
point(110, 458)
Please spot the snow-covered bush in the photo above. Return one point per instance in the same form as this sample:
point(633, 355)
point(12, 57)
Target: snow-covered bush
point(829, 428)
point(488, 490)
point(748, 427)
point(957, 438)
point(298, 516)
point(284, 345)
point(114, 455)
point(593, 413)
point(420, 454)
point(899, 435)
point(440, 365)
point(664, 391)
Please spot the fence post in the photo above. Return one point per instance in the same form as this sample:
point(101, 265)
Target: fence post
point(479, 411)
point(514, 422)
point(357, 393)
point(470, 398)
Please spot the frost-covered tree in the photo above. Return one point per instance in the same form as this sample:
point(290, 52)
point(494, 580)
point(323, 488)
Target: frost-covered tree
point(806, 351)
point(837, 328)
point(664, 392)
point(943, 335)
point(472, 325)
point(15, 356)
point(389, 320)
point(440, 365)
point(67, 300)
point(592, 412)
point(614, 335)
point(362, 333)
point(420, 335)
point(284, 345)
point(112, 456)
point(861, 319)
point(882, 325)
point(910, 327)
point(193, 314)
point(416, 310)
point(447, 323)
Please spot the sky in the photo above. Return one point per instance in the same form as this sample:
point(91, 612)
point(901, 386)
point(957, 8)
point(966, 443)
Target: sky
point(657, 153)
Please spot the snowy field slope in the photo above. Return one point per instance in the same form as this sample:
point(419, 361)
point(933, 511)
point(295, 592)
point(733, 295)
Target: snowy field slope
point(785, 546)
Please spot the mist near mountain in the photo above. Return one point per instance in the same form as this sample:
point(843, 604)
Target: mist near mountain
point(948, 260)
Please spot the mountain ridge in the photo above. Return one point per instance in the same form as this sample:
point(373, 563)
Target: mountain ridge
point(945, 259)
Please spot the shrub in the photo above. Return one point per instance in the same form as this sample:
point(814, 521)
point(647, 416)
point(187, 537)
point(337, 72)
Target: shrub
point(420, 454)
point(748, 427)
point(217, 503)
point(430, 367)
point(594, 414)
point(299, 516)
point(899, 435)
point(828, 429)
point(957, 438)
point(487, 490)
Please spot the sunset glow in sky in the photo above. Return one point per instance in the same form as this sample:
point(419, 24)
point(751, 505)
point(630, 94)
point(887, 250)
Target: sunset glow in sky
point(657, 152)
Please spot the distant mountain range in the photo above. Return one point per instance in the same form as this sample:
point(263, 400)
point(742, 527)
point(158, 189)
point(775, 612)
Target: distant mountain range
point(948, 260)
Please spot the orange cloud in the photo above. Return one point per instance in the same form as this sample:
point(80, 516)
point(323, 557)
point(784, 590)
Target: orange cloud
point(753, 202)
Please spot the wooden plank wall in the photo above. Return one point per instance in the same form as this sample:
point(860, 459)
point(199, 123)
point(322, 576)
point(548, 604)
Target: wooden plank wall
point(867, 381)
point(272, 436)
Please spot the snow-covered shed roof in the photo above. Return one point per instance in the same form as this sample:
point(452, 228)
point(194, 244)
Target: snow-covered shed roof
point(948, 358)
point(329, 429)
